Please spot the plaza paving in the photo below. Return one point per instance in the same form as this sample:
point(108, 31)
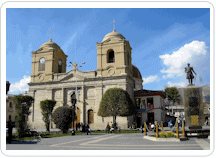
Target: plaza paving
point(134, 141)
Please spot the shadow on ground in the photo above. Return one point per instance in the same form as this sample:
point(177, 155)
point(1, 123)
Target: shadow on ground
point(23, 142)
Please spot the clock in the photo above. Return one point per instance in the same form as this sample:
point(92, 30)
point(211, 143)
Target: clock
point(42, 60)
point(60, 62)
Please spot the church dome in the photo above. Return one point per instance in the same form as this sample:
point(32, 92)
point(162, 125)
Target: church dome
point(50, 44)
point(136, 72)
point(113, 35)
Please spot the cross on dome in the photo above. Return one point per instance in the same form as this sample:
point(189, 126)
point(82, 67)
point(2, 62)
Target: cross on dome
point(51, 31)
point(114, 24)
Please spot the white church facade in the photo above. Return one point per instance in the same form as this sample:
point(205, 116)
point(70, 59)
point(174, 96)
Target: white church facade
point(49, 80)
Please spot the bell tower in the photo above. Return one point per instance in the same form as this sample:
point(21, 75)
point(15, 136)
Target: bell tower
point(113, 56)
point(46, 61)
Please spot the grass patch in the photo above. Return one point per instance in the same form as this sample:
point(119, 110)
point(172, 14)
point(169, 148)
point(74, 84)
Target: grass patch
point(23, 139)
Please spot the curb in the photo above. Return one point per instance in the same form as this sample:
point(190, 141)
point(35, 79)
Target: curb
point(161, 139)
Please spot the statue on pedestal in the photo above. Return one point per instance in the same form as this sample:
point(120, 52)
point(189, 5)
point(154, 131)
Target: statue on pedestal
point(189, 70)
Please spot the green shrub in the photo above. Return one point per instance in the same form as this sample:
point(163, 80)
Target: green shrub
point(169, 134)
point(162, 134)
point(63, 116)
point(47, 108)
point(22, 104)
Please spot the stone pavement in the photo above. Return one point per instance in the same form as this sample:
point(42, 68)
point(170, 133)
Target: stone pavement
point(134, 141)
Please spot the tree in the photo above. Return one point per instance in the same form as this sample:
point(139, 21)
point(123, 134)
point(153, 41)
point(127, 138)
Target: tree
point(173, 95)
point(116, 102)
point(47, 108)
point(62, 117)
point(22, 104)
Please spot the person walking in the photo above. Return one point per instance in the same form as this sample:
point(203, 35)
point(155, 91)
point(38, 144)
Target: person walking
point(87, 129)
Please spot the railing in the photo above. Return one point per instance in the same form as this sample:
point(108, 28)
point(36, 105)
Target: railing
point(158, 126)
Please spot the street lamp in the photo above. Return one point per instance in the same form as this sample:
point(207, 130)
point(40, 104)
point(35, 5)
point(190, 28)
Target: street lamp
point(73, 101)
point(75, 67)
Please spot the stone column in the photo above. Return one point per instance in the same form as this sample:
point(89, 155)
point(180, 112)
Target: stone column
point(63, 96)
point(193, 107)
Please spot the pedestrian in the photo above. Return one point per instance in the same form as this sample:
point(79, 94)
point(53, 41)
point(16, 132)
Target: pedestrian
point(111, 125)
point(10, 129)
point(80, 126)
point(87, 129)
point(108, 128)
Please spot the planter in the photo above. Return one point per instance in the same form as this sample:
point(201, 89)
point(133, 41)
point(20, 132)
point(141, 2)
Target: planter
point(171, 139)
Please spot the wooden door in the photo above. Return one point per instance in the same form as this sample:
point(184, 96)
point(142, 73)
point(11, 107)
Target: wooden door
point(90, 116)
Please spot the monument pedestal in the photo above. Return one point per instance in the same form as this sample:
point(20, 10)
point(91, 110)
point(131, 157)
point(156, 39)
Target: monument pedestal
point(193, 107)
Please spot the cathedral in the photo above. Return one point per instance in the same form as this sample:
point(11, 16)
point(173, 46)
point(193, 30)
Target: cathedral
point(49, 80)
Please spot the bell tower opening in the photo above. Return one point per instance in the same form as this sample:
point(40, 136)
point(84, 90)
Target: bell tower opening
point(42, 64)
point(59, 66)
point(110, 56)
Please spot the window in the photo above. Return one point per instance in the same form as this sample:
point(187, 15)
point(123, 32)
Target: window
point(10, 105)
point(59, 66)
point(42, 64)
point(150, 101)
point(90, 116)
point(9, 117)
point(111, 56)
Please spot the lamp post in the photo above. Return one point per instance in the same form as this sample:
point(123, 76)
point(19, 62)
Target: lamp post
point(73, 101)
point(141, 114)
point(75, 67)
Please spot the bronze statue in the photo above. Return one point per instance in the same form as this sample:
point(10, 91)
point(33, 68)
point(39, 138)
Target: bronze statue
point(189, 70)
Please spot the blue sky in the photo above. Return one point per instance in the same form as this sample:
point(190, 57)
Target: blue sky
point(163, 41)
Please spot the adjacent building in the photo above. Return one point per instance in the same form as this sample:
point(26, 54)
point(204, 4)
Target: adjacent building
point(152, 107)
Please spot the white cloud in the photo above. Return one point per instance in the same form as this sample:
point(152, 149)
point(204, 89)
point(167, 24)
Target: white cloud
point(21, 85)
point(178, 85)
point(192, 53)
point(151, 79)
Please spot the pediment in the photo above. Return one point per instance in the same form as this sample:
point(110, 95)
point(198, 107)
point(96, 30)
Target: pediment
point(67, 78)
point(71, 76)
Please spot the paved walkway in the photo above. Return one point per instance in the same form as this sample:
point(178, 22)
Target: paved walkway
point(133, 141)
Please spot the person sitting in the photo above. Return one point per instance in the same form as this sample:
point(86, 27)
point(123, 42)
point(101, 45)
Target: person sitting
point(111, 124)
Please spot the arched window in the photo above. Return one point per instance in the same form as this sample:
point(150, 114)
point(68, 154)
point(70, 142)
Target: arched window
point(42, 64)
point(110, 56)
point(90, 116)
point(59, 66)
